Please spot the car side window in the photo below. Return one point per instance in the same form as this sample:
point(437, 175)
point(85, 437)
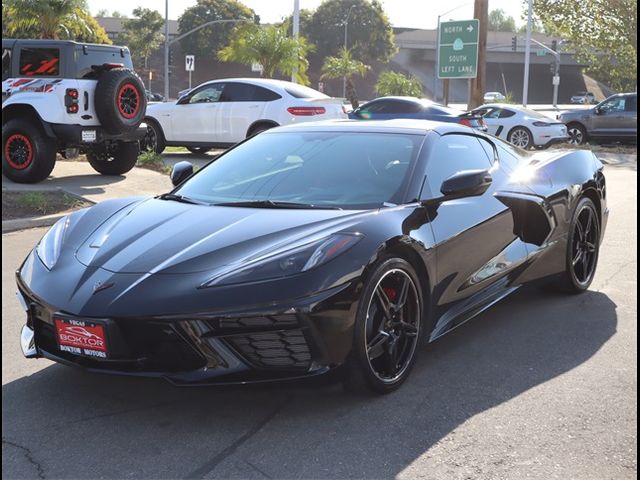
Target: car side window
point(39, 62)
point(238, 92)
point(454, 153)
point(504, 113)
point(207, 94)
point(264, 95)
point(614, 105)
point(373, 107)
point(631, 104)
point(6, 63)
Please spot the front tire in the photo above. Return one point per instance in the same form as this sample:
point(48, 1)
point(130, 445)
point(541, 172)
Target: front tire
point(520, 137)
point(388, 328)
point(577, 134)
point(115, 160)
point(28, 154)
point(583, 248)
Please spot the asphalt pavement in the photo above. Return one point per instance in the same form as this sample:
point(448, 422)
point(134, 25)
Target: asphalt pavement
point(541, 386)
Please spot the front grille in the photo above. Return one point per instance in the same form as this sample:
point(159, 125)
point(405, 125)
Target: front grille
point(286, 349)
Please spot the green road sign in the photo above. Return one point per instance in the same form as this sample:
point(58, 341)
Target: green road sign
point(458, 49)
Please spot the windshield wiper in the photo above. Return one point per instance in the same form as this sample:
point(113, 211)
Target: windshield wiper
point(180, 198)
point(276, 204)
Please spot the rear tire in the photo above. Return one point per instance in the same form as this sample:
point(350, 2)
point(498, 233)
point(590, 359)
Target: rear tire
point(153, 140)
point(386, 338)
point(259, 129)
point(577, 134)
point(115, 161)
point(28, 154)
point(520, 137)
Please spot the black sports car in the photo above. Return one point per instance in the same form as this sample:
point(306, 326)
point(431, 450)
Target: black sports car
point(308, 248)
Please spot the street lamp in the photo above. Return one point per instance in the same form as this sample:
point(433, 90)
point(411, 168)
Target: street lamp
point(435, 73)
point(346, 24)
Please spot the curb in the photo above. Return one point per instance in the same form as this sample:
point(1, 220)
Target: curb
point(43, 221)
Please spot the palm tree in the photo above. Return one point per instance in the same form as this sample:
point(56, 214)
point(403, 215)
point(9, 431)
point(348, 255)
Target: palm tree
point(270, 47)
point(345, 66)
point(42, 18)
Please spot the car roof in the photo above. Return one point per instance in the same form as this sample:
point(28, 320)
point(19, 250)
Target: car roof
point(10, 42)
point(397, 125)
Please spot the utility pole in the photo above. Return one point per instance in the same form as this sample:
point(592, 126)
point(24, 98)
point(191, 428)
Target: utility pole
point(346, 26)
point(481, 12)
point(296, 33)
point(166, 50)
point(527, 52)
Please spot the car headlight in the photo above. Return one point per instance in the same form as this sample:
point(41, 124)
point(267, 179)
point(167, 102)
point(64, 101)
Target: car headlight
point(285, 262)
point(48, 249)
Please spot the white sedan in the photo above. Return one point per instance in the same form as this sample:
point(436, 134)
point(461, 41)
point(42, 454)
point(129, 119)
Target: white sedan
point(522, 127)
point(221, 113)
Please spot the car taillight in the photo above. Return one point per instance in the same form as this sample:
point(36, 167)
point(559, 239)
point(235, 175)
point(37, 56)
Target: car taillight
point(306, 111)
point(465, 121)
point(71, 100)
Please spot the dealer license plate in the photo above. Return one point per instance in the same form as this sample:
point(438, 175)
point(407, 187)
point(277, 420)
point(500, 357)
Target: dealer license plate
point(88, 136)
point(81, 337)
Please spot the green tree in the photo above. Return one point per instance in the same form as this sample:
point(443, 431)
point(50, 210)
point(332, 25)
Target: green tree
point(603, 35)
point(142, 34)
point(500, 22)
point(395, 83)
point(51, 19)
point(208, 40)
point(369, 32)
point(271, 47)
point(345, 66)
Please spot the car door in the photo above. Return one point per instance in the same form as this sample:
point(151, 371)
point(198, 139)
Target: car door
point(196, 117)
point(609, 117)
point(630, 127)
point(476, 248)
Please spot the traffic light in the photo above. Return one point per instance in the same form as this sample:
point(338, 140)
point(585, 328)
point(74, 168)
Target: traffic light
point(514, 44)
point(171, 57)
point(554, 45)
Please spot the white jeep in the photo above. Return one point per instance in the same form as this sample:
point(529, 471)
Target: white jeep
point(68, 97)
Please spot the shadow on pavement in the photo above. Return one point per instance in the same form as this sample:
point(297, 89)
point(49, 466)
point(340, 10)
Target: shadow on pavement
point(86, 426)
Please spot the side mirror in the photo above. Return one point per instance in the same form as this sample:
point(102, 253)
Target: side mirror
point(598, 111)
point(467, 183)
point(180, 172)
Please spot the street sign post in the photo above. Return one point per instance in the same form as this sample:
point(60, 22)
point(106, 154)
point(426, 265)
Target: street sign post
point(458, 49)
point(189, 65)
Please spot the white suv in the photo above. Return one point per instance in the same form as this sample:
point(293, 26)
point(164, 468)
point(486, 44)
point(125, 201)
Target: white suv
point(63, 96)
point(221, 113)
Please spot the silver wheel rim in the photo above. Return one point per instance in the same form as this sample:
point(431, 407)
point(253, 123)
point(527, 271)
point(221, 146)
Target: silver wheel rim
point(575, 136)
point(520, 138)
point(391, 337)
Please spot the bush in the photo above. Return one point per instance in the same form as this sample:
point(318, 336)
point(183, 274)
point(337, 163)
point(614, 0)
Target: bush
point(149, 158)
point(394, 83)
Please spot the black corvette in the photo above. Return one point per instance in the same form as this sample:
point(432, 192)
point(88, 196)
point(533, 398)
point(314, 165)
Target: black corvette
point(339, 245)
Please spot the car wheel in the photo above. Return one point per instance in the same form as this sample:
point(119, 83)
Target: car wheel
point(259, 129)
point(583, 248)
point(577, 134)
point(520, 137)
point(115, 161)
point(28, 154)
point(388, 328)
point(153, 140)
point(198, 150)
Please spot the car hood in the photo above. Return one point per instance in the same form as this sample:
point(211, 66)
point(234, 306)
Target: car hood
point(168, 237)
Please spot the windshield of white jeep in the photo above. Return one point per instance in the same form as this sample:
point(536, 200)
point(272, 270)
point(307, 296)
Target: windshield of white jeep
point(319, 169)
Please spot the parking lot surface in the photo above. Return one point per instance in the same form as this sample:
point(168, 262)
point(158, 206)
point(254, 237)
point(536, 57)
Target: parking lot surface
point(541, 386)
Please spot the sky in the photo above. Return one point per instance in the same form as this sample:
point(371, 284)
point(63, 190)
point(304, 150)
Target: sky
point(402, 13)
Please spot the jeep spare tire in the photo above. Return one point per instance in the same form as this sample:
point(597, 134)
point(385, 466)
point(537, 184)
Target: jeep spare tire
point(120, 100)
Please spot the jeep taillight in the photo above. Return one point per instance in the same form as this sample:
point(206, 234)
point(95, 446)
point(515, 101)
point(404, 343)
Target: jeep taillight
point(71, 100)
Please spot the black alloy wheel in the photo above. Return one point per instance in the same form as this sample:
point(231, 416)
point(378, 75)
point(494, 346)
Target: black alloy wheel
point(584, 244)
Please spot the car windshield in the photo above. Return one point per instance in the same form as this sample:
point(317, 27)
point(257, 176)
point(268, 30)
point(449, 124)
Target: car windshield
point(300, 91)
point(350, 170)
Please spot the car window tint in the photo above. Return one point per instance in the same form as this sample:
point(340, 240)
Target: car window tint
point(488, 149)
point(397, 106)
point(492, 113)
point(264, 95)
point(631, 104)
point(373, 107)
point(238, 92)
point(39, 62)
point(6, 63)
point(504, 113)
point(88, 58)
point(454, 153)
point(508, 155)
point(207, 94)
point(300, 91)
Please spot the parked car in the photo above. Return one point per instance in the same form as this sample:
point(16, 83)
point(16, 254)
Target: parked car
point(154, 97)
point(386, 108)
point(60, 96)
point(309, 248)
point(490, 97)
point(584, 98)
point(522, 127)
point(221, 113)
point(613, 119)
